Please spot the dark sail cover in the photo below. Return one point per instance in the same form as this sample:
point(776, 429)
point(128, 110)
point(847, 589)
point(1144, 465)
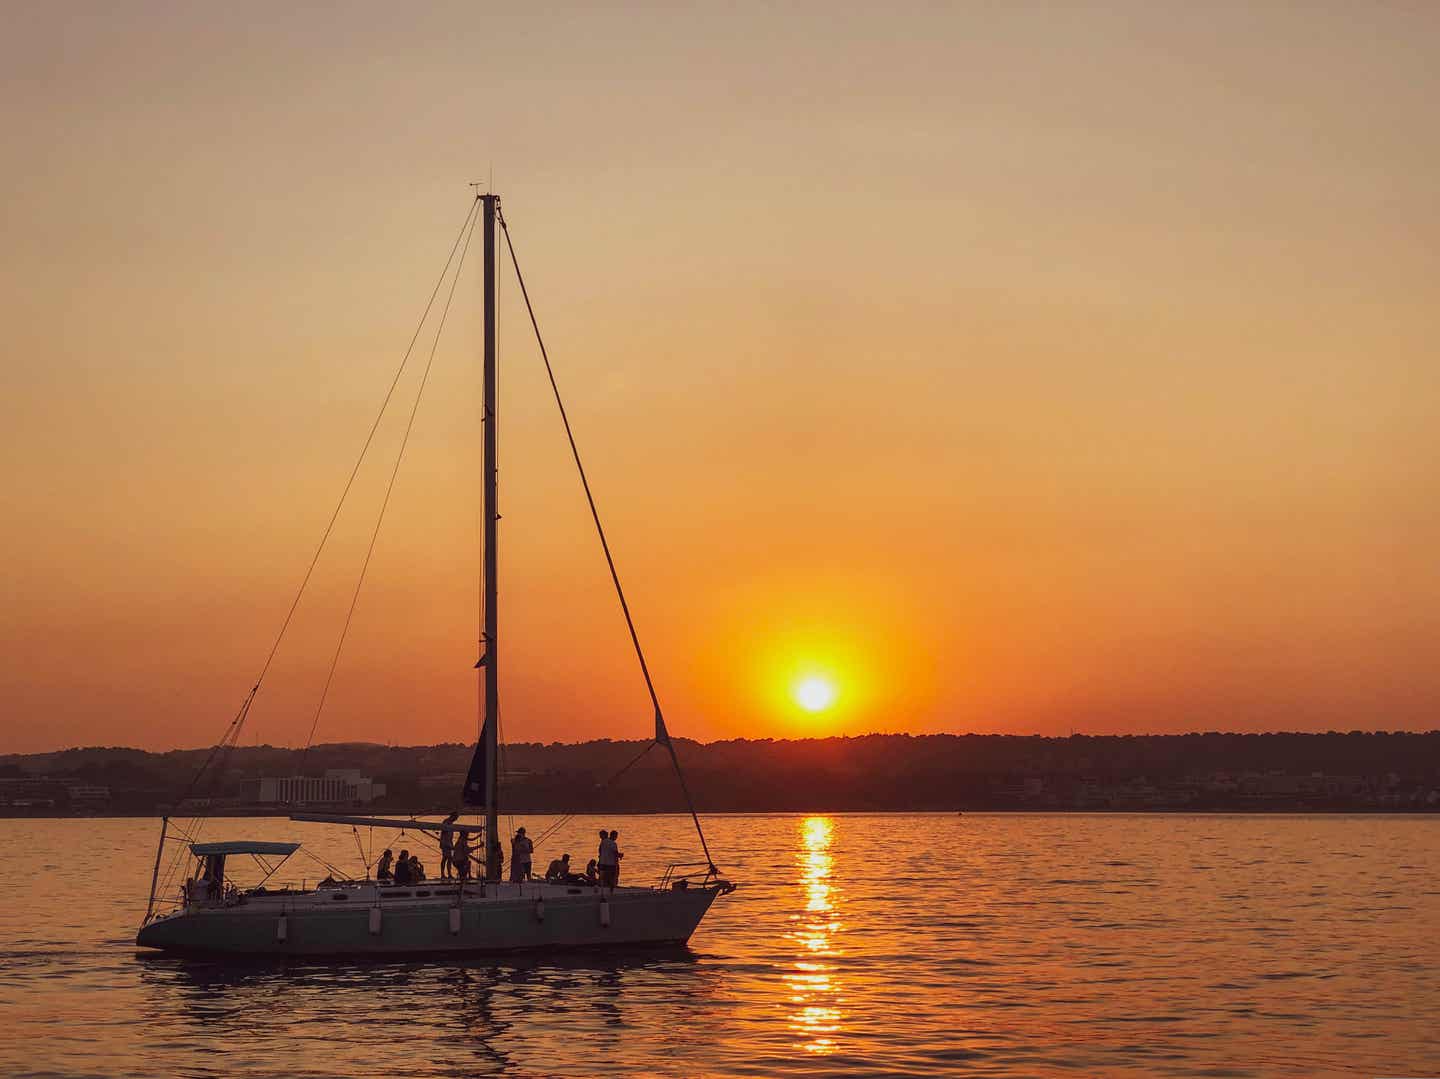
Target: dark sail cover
point(474, 792)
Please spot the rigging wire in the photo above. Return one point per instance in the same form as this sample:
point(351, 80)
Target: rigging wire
point(231, 737)
point(334, 870)
point(232, 733)
point(568, 817)
point(604, 543)
point(501, 761)
point(389, 490)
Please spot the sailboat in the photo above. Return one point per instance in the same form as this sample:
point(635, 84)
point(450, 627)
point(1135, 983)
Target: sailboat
point(350, 916)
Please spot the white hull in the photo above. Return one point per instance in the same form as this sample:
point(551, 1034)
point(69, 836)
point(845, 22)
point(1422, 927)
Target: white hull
point(365, 919)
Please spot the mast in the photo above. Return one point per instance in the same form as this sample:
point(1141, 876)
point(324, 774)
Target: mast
point(491, 668)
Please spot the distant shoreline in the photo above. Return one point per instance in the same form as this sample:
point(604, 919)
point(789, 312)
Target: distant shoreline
point(1335, 772)
point(1269, 811)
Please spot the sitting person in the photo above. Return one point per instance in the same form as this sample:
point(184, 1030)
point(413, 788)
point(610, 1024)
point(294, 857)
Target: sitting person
point(417, 869)
point(403, 872)
point(382, 870)
point(559, 870)
point(592, 872)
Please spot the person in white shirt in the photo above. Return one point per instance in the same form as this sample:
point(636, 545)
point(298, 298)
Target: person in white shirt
point(608, 860)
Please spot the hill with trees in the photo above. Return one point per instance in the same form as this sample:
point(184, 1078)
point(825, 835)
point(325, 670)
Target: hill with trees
point(1333, 770)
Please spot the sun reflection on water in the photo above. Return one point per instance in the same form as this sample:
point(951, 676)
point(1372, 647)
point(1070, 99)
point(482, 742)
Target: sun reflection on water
point(814, 987)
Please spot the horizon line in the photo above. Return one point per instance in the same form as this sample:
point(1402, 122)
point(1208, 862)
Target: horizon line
point(1214, 733)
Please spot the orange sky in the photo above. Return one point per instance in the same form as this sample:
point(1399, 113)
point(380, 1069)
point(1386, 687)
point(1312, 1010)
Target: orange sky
point(1020, 367)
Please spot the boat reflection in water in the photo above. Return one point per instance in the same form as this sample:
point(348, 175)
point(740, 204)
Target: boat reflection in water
point(814, 986)
point(471, 1016)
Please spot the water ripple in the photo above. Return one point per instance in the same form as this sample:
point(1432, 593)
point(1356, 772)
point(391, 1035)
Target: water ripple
point(1011, 945)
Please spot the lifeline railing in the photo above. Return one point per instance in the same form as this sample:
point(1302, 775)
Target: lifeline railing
point(697, 873)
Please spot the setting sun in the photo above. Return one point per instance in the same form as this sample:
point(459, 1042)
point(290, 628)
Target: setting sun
point(815, 694)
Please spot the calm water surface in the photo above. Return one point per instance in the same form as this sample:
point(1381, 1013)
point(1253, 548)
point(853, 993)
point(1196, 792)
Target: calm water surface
point(856, 945)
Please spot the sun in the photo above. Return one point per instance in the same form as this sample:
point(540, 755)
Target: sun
point(815, 693)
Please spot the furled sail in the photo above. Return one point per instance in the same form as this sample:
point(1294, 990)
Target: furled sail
point(474, 792)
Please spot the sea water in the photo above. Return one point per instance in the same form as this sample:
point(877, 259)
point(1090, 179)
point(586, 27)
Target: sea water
point(983, 945)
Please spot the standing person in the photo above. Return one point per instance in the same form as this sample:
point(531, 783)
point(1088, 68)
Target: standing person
point(608, 860)
point(460, 856)
point(521, 851)
point(498, 853)
point(447, 846)
point(615, 847)
point(527, 853)
point(382, 870)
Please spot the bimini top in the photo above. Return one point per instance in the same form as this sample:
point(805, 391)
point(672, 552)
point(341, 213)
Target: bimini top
point(244, 846)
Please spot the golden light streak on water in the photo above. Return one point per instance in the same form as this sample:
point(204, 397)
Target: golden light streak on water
point(1053, 946)
point(813, 982)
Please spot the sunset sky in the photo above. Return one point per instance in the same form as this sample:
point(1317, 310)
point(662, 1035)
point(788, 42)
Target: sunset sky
point(1004, 367)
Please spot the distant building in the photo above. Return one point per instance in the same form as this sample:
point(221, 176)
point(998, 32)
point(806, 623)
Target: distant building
point(30, 793)
point(447, 780)
point(42, 792)
point(87, 795)
point(340, 786)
